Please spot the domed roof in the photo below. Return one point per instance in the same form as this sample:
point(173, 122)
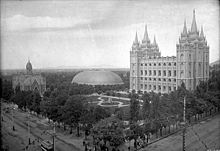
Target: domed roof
point(97, 77)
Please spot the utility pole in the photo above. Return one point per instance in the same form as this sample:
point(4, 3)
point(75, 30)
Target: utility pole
point(54, 132)
point(184, 123)
point(28, 124)
point(13, 127)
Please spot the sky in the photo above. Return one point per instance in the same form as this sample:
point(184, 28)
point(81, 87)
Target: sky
point(96, 33)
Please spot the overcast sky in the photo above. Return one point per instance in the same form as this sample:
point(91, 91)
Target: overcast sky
point(97, 33)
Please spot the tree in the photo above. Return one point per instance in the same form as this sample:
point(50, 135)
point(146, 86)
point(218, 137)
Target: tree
point(146, 106)
point(93, 115)
point(72, 111)
point(35, 104)
point(109, 129)
point(137, 131)
point(7, 90)
point(134, 107)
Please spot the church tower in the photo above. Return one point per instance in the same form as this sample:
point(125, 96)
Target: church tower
point(134, 65)
point(192, 56)
point(29, 67)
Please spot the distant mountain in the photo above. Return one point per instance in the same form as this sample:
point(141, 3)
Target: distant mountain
point(214, 63)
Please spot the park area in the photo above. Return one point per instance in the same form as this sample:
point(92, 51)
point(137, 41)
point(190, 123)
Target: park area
point(201, 136)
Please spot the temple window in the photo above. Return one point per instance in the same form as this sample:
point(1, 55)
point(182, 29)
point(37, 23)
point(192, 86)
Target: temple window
point(181, 57)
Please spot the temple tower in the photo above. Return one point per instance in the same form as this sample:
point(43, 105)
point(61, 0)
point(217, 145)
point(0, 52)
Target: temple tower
point(192, 56)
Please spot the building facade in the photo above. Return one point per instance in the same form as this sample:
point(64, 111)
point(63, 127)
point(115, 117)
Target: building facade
point(149, 71)
point(29, 81)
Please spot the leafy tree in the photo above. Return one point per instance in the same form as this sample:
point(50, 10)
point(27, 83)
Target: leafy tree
point(134, 107)
point(93, 115)
point(7, 90)
point(110, 129)
point(146, 106)
point(72, 111)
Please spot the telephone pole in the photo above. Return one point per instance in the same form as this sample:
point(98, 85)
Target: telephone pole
point(54, 133)
point(29, 139)
point(13, 127)
point(184, 123)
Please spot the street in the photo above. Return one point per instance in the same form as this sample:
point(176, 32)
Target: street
point(18, 139)
point(200, 137)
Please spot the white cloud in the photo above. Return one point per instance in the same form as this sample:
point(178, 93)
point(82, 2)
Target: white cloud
point(21, 22)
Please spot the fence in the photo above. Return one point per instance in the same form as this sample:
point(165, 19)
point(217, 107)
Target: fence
point(172, 129)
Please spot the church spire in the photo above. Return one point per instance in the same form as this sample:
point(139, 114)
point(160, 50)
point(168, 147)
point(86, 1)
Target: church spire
point(184, 28)
point(194, 26)
point(146, 38)
point(136, 39)
point(155, 43)
point(29, 67)
point(201, 34)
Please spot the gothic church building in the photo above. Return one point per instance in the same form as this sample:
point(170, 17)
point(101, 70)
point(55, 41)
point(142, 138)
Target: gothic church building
point(29, 81)
point(149, 71)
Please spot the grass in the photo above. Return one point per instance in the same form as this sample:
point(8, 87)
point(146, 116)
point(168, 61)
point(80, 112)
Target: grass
point(125, 102)
point(112, 103)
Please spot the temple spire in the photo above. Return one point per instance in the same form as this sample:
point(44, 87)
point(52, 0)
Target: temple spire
point(201, 34)
point(136, 39)
point(194, 26)
point(155, 43)
point(146, 38)
point(184, 28)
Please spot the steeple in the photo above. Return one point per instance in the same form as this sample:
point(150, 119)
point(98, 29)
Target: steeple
point(29, 67)
point(184, 28)
point(194, 27)
point(146, 38)
point(136, 39)
point(154, 43)
point(202, 34)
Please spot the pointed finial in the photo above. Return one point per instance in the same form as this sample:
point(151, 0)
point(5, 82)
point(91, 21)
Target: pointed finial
point(136, 38)
point(184, 28)
point(155, 43)
point(194, 26)
point(146, 38)
point(201, 34)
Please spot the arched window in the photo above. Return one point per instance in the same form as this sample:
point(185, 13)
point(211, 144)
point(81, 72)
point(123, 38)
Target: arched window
point(189, 57)
point(181, 66)
point(181, 57)
point(174, 73)
point(159, 87)
point(190, 66)
point(181, 74)
point(199, 69)
point(159, 73)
